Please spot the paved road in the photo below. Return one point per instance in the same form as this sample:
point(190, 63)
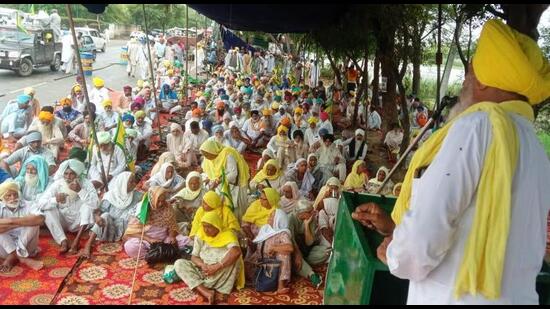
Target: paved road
point(51, 86)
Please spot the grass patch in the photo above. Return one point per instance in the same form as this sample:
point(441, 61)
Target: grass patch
point(545, 140)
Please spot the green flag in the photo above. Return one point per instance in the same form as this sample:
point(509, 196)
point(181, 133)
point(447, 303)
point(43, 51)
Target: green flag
point(32, 9)
point(19, 24)
point(144, 208)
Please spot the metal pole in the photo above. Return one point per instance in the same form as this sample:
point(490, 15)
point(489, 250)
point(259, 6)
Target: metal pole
point(196, 48)
point(85, 89)
point(152, 72)
point(187, 52)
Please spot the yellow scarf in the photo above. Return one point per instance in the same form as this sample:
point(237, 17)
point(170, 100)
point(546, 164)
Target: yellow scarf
point(224, 238)
point(213, 200)
point(483, 261)
point(262, 174)
point(186, 193)
point(354, 179)
point(259, 215)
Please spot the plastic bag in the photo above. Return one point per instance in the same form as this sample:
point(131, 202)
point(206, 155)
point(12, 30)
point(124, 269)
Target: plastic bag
point(170, 275)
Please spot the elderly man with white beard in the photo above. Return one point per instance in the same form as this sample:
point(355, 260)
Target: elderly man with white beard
point(52, 137)
point(33, 178)
point(114, 161)
point(69, 203)
point(19, 228)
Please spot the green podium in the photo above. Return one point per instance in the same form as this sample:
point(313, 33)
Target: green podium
point(355, 276)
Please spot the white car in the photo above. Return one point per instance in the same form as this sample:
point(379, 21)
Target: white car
point(98, 39)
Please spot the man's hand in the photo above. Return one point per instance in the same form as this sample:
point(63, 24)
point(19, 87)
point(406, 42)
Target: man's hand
point(61, 198)
point(99, 221)
point(374, 217)
point(382, 248)
point(336, 160)
point(75, 186)
point(298, 261)
point(109, 177)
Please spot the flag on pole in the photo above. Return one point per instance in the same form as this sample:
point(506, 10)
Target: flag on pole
point(32, 9)
point(19, 24)
point(225, 191)
point(144, 208)
point(120, 140)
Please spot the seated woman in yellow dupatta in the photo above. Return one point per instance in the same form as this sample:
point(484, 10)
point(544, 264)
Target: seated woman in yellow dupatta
point(227, 173)
point(186, 202)
point(358, 178)
point(211, 202)
point(258, 213)
point(332, 189)
point(216, 264)
point(271, 176)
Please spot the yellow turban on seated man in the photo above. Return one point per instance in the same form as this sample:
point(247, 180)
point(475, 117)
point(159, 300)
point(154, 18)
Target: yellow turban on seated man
point(510, 61)
point(98, 82)
point(44, 115)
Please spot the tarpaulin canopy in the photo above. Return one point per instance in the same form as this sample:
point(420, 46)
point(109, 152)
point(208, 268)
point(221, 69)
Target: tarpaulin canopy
point(230, 40)
point(273, 18)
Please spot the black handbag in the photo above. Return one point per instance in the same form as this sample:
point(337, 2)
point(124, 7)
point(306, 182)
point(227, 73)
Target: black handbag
point(267, 273)
point(160, 252)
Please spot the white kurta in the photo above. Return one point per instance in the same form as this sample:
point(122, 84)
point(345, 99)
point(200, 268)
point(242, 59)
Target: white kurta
point(427, 247)
point(97, 96)
point(117, 164)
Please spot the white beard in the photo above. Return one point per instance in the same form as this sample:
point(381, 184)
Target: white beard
point(72, 196)
point(13, 205)
point(31, 180)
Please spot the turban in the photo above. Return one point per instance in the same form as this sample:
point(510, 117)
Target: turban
point(77, 88)
point(166, 63)
point(8, 185)
point(224, 97)
point(196, 112)
point(127, 87)
point(237, 109)
point(323, 116)
point(76, 166)
point(298, 110)
point(23, 98)
point(33, 136)
point(170, 72)
point(266, 112)
point(206, 124)
point(282, 128)
point(45, 116)
point(217, 128)
point(139, 83)
point(275, 105)
point(360, 132)
point(198, 94)
point(78, 153)
point(140, 114)
point(131, 133)
point(323, 132)
point(303, 206)
point(66, 101)
point(29, 91)
point(278, 98)
point(107, 102)
point(139, 100)
point(312, 120)
point(98, 82)
point(285, 121)
point(511, 61)
point(103, 138)
point(128, 117)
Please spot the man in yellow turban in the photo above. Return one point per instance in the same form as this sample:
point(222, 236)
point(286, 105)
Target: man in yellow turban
point(109, 118)
point(52, 137)
point(98, 94)
point(475, 230)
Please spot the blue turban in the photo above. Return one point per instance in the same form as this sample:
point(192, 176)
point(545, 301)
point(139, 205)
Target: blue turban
point(323, 132)
point(217, 128)
point(42, 171)
point(23, 99)
point(224, 97)
point(206, 124)
point(128, 117)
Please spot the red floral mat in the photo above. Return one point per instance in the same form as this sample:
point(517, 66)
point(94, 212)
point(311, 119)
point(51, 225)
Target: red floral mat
point(107, 279)
point(22, 285)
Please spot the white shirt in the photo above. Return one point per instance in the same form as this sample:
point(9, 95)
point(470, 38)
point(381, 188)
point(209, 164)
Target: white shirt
point(97, 96)
point(327, 125)
point(427, 247)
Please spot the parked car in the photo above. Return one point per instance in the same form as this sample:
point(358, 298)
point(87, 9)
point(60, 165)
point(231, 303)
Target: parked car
point(88, 46)
point(23, 52)
point(98, 38)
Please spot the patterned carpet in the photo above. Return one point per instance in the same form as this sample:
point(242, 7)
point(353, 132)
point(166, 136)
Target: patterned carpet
point(22, 285)
point(107, 279)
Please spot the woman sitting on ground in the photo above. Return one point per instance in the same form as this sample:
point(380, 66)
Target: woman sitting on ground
point(216, 263)
point(174, 139)
point(289, 196)
point(270, 176)
point(166, 178)
point(211, 202)
point(116, 208)
point(397, 189)
point(300, 174)
point(258, 212)
point(375, 183)
point(187, 201)
point(358, 177)
point(266, 156)
point(332, 188)
point(160, 226)
point(276, 240)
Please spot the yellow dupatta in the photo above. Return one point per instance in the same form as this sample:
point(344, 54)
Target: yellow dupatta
point(259, 215)
point(224, 238)
point(354, 179)
point(484, 252)
point(229, 220)
point(262, 174)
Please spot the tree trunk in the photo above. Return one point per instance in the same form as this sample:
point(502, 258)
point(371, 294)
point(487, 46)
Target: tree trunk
point(361, 87)
point(334, 67)
point(416, 60)
point(404, 124)
point(387, 64)
point(376, 79)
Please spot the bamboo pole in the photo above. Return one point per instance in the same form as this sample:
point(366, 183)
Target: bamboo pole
point(196, 48)
point(85, 90)
point(152, 71)
point(137, 263)
point(186, 52)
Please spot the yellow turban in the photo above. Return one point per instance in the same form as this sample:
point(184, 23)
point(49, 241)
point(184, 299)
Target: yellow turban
point(282, 128)
point(511, 61)
point(275, 105)
point(139, 83)
point(98, 82)
point(166, 63)
point(312, 120)
point(107, 102)
point(77, 88)
point(8, 185)
point(44, 115)
point(298, 110)
point(170, 72)
point(139, 114)
point(266, 112)
point(65, 101)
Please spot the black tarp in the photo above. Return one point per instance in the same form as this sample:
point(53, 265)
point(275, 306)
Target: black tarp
point(231, 40)
point(273, 18)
